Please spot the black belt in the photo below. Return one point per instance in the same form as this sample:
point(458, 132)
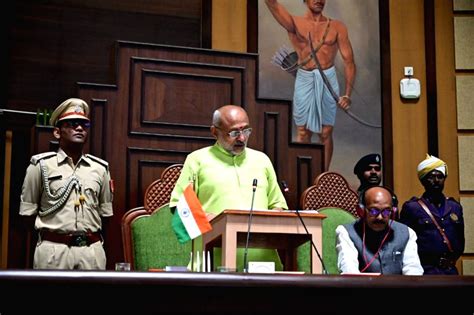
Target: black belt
point(439, 261)
point(71, 239)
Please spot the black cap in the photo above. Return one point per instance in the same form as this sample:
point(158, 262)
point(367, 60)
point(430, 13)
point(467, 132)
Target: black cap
point(365, 161)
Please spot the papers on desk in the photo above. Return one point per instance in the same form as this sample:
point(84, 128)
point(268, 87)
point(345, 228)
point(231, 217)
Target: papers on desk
point(361, 274)
point(303, 211)
point(289, 272)
point(293, 211)
point(177, 268)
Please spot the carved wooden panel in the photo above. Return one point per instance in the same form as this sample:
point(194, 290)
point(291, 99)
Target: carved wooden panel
point(160, 109)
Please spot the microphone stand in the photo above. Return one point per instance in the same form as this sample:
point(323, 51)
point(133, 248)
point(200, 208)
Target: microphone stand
point(325, 271)
point(254, 188)
point(286, 190)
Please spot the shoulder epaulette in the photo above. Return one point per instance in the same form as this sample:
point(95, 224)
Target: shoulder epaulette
point(452, 199)
point(98, 160)
point(36, 158)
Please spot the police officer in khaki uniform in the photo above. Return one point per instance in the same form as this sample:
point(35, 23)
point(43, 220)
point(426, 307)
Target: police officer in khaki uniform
point(69, 192)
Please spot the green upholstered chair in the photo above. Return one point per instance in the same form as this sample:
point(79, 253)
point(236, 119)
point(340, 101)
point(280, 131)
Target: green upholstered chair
point(149, 241)
point(334, 217)
point(331, 195)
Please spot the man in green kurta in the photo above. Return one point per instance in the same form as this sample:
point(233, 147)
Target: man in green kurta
point(223, 174)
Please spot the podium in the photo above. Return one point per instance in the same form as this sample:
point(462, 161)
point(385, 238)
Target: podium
point(274, 229)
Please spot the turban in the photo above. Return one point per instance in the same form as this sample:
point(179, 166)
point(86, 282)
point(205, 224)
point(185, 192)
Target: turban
point(365, 161)
point(429, 164)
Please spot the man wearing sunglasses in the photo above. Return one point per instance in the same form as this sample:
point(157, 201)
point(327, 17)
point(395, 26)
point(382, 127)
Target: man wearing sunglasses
point(223, 174)
point(376, 243)
point(437, 220)
point(68, 193)
point(369, 171)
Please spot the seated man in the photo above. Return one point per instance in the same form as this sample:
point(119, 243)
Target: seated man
point(223, 174)
point(375, 243)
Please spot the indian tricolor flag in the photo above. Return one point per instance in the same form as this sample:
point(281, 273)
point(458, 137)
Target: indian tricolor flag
point(189, 220)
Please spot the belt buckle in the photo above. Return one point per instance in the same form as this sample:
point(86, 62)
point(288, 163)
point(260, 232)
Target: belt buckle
point(79, 240)
point(445, 263)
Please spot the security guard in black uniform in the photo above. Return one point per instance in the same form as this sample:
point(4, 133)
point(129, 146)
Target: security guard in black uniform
point(369, 171)
point(437, 220)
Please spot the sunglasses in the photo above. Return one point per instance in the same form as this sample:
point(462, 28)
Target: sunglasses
point(375, 168)
point(374, 212)
point(74, 123)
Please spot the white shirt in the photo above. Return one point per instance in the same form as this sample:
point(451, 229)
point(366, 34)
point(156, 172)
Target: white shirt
point(347, 254)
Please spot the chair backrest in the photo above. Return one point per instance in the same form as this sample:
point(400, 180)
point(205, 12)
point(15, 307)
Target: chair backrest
point(330, 189)
point(149, 241)
point(334, 217)
point(158, 193)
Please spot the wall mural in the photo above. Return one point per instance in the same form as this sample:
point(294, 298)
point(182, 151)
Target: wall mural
point(357, 131)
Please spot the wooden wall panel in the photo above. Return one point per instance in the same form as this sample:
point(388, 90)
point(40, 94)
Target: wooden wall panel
point(98, 115)
point(463, 5)
point(145, 165)
point(161, 109)
point(158, 86)
point(464, 96)
point(463, 41)
point(407, 47)
point(52, 45)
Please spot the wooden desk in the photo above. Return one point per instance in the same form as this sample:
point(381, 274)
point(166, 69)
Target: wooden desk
point(280, 230)
point(140, 293)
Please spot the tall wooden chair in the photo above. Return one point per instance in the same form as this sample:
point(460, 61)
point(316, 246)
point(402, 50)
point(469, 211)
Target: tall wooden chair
point(158, 193)
point(330, 189)
point(331, 195)
point(148, 239)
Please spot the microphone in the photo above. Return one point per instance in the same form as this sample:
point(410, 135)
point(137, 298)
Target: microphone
point(286, 189)
point(254, 188)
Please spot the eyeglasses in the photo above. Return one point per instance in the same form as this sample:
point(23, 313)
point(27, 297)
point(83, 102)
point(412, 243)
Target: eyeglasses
point(235, 133)
point(376, 168)
point(374, 212)
point(74, 123)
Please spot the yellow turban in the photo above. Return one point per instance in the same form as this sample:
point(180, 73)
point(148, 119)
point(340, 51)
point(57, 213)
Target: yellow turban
point(431, 163)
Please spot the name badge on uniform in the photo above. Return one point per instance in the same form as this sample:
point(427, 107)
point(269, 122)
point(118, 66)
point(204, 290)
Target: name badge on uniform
point(454, 216)
point(111, 185)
